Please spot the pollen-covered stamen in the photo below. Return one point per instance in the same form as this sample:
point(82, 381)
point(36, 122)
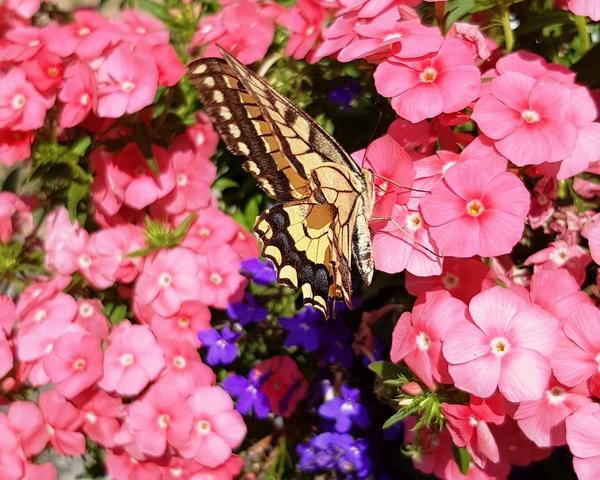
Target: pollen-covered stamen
point(556, 395)
point(163, 421)
point(84, 261)
point(423, 341)
point(52, 72)
point(183, 322)
point(216, 278)
point(127, 86)
point(428, 75)
point(500, 346)
point(530, 116)
point(203, 427)
point(79, 364)
point(475, 208)
point(127, 359)
point(18, 101)
point(164, 280)
point(204, 232)
point(382, 188)
point(86, 310)
point(179, 362)
point(450, 281)
point(559, 256)
point(182, 179)
point(414, 221)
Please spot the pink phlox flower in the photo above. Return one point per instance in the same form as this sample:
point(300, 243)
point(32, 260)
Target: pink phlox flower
point(201, 137)
point(78, 94)
point(127, 82)
point(171, 277)
point(16, 221)
point(23, 8)
point(23, 429)
point(418, 139)
point(169, 66)
point(132, 360)
point(244, 244)
point(591, 231)
point(229, 30)
point(582, 438)
point(407, 235)
point(445, 81)
point(14, 146)
point(483, 147)
point(417, 337)
point(506, 346)
point(143, 28)
point(545, 192)
point(462, 278)
point(8, 314)
point(218, 427)
point(470, 430)
point(285, 385)
point(185, 371)
point(472, 36)
point(583, 115)
point(528, 119)
point(557, 292)
point(196, 471)
point(534, 66)
point(304, 21)
point(577, 355)
point(192, 317)
point(37, 293)
point(561, 254)
point(88, 36)
point(515, 447)
point(75, 363)
point(478, 209)
point(218, 271)
point(120, 465)
point(126, 178)
point(370, 8)
point(22, 107)
point(393, 173)
point(194, 175)
point(159, 419)
point(543, 420)
point(91, 319)
point(585, 8)
point(62, 424)
point(23, 43)
point(100, 415)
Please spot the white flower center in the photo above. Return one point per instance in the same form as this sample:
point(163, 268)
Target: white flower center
point(126, 359)
point(182, 179)
point(206, 28)
point(127, 86)
point(204, 232)
point(84, 32)
point(422, 341)
point(183, 322)
point(164, 279)
point(33, 43)
point(199, 138)
point(556, 395)
point(392, 36)
point(163, 421)
point(18, 101)
point(79, 364)
point(140, 30)
point(216, 278)
point(473, 421)
point(179, 362)
point(428, 75)
point(91, 417)
point(84, 261)
point(309, 31)
point(530, 116)
point(84, 99)
point(203, 427)
point(499, 346)
point(414, 221)
point(86, 310)
point(475, 208)
point(40, 315)
point(560, 256)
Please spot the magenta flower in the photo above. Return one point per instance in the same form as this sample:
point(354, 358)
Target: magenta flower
point(192, 317)
point(506, 346)
point(77, 94)
point(64, 243)
point(304, 22)
point(16, 221)
point(14, 146)
point(478, 209)
point(22, 107)
point(446, 81)
point(417, 337)
point(132, 360)
point(127, 82)
point(528, 119)
point(169, 278)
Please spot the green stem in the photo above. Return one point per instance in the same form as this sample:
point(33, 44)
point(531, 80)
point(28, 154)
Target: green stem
point(509, 37)
point(582, 30)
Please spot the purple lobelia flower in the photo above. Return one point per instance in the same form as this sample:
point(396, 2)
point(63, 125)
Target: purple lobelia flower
point(247, 311)
point(303, 329)
point(346, 410)
point(261, 271)
point(248, 393)
point(220, 344)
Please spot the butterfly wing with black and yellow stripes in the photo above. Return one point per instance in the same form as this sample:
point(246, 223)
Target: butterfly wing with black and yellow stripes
point(326, 198)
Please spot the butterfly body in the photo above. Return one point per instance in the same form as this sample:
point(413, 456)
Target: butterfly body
point(326, 198)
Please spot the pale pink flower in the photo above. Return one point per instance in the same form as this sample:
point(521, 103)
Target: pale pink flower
point(64, 242)
point(407, 236)
point(87, 36)
point(417, 337)
point(418, 139)
point(534, 66)
point(120, 465)
point(16, 221)
point(74, 364)
point(462, 278)
point(184, 368)
point(132, 360)
point(219, 274)
point(583, 441)
point(37, 293)
point(23, 429)
point(171, 277)
point(543, 420)
point(218, 427)
point(472, 36)
point(528, 119)
point(23, 8)
point(77, 94)
point(506, 346)
point(586, 8)
point(212, 229)
point(245, 244)
point(127, 82)
point(143, 28)
point(478, 209)
point(125, 178)
point(160, 418)
point(202, 138)
point(22, 107)
point(170, 69)
point(14, 146)
point(62, 423)
point(91, 319)
point(577, 355)
point(561, 254)
point(446, 81)
point(100, 414)
point(304, 22)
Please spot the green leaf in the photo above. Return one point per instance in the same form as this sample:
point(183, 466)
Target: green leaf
point(462, 458)
point(395, 418)
point(156, 9)
point(543, 20)
point(252, 209)
point(75, 194)
point(386, 370)
point(118, 314)
point(223, 183)
point(81, 146)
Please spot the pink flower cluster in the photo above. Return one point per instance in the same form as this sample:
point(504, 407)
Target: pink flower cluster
point(90, 68)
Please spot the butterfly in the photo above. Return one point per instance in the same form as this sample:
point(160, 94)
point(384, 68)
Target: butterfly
point(326, 199)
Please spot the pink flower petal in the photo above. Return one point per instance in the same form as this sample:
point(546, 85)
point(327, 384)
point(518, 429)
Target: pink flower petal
point(479, 377)
point(524, 375)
